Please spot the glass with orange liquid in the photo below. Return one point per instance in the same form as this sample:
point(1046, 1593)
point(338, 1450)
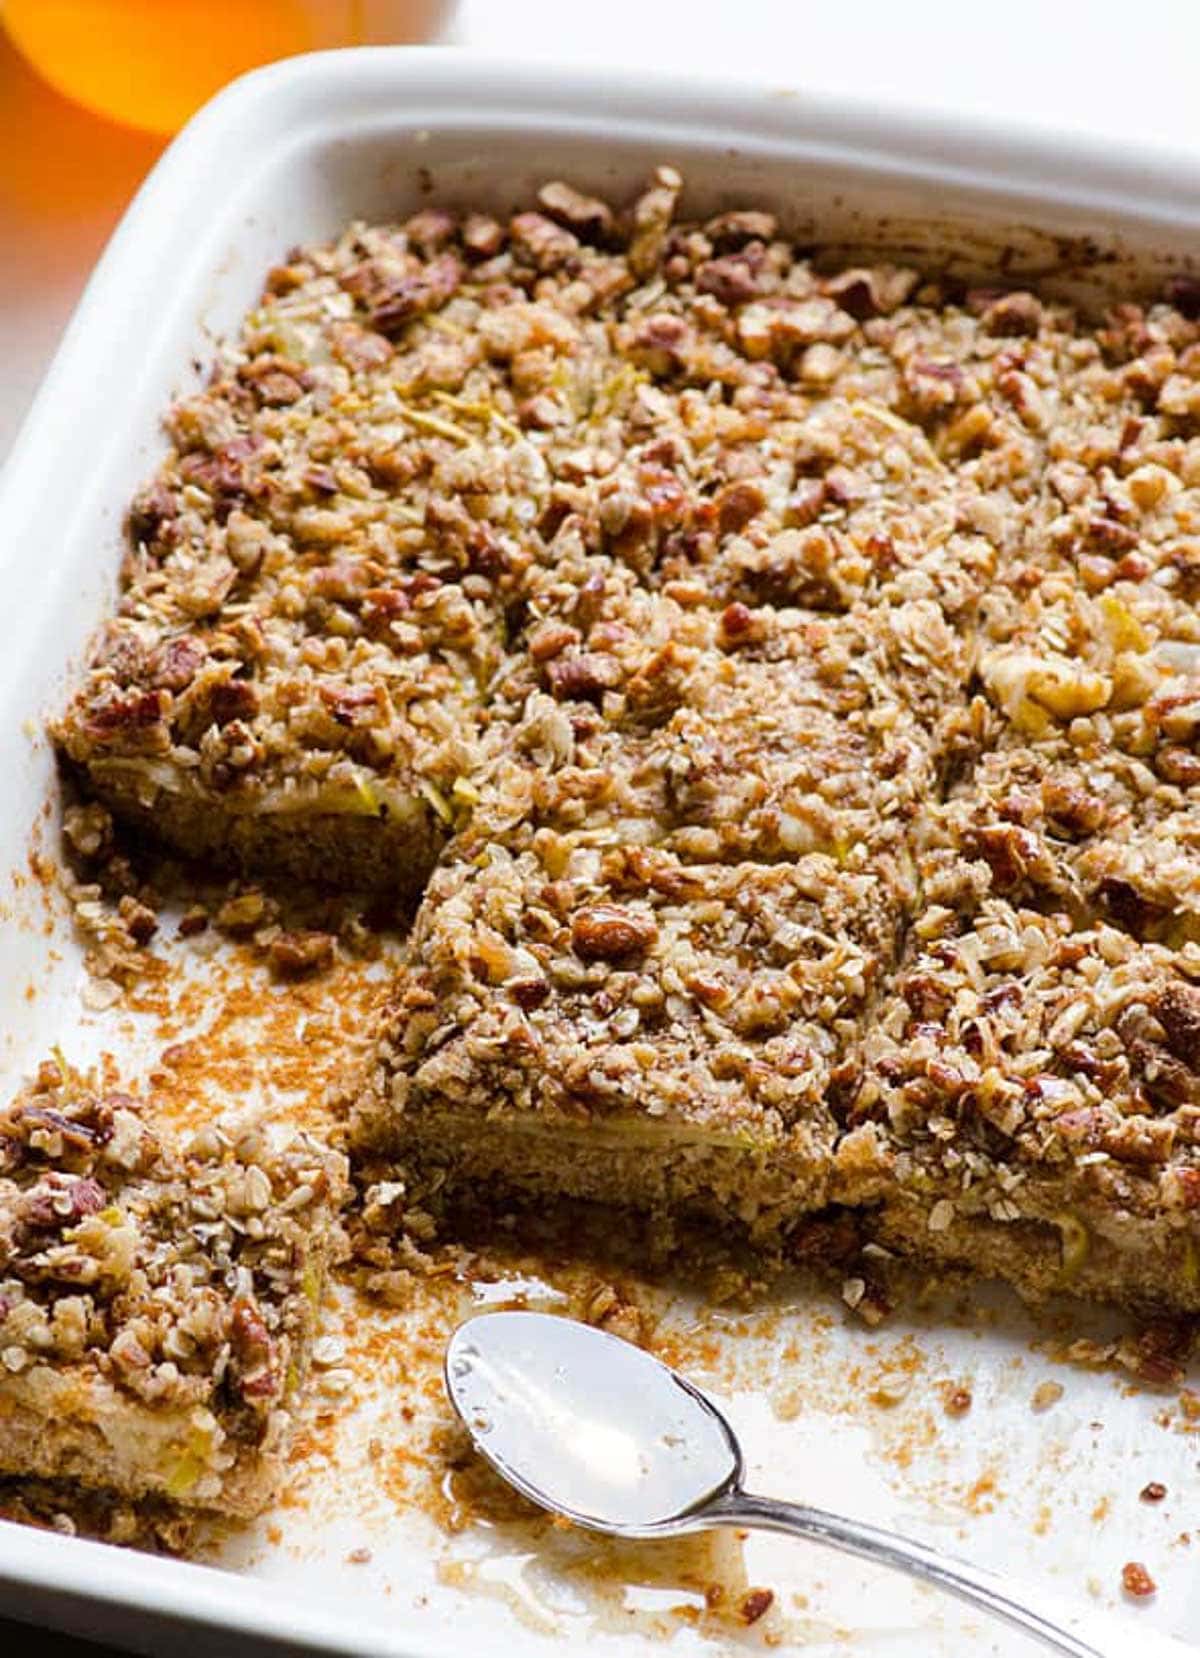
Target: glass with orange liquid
point(152, 63)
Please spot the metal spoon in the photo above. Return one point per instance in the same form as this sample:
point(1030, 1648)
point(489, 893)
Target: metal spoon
point(595, 1429)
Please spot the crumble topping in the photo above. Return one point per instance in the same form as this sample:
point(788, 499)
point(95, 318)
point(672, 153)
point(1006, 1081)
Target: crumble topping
point(782, 685)
point(162, 1293)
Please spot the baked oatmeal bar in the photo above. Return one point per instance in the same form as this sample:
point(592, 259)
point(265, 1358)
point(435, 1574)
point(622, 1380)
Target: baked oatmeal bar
point(783, 680)
point(157, 1301)
point(611, 1022)
point(1031, 1107)
point(323, 578)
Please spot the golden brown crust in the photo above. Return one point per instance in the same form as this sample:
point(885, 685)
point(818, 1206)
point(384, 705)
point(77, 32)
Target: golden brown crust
point(796, 672)
point(157, 1301)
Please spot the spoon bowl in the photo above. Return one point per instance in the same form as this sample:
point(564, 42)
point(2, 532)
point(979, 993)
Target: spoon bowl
point(589, 1425)
point(604, 1434)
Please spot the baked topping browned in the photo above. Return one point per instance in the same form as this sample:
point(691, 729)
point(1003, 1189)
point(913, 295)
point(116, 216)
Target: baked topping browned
point(782, 682)
point(158, 1300)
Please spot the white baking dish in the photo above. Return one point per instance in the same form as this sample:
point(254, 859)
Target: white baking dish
point(290, 154)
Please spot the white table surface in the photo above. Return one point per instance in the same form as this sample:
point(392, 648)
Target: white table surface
point(1101, 66)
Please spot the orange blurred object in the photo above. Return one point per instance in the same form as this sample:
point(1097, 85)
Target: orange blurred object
point(152, 63)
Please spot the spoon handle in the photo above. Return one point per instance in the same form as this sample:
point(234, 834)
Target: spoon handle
point(1078, 1633)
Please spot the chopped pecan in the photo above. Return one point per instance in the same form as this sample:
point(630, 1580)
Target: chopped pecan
point(1072, 809)
point(874, 292)
point(130, 720)
point(59, 1200)
point(233, 699)
point(321, 480)
point(605, 932)
point(540, 242)
point(46, 1128)
point(651, 219)
point(587, 216)
point(275, 381)
point(431, 229)
point(193, 920)
point(660, 342)
point(253, 1349)
point(175, 663)
point(583, 676)
point(736, 505)
point(345, 580)
point(352, 704)
point(301, 952)
point(1136, 1580)
point(243, 913)
point(529, 993)
point(780, 326)
point(1183, 292)
point(151, 510)
point(805, 503)
point(141, 923)
point(741, 626)
point(1113, 536)
point(412, 296)
point(1179, 766)
point(358, 347)
point(1012, 313)
point(1177, 1009)
point(934, 385)
point(550, 640)
point(754, 1603)
point(482, 237)
point(734, 230)
point(1127, 905)
point(735, 278)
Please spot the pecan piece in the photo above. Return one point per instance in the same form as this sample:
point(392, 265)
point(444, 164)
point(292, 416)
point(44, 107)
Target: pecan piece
point(583, 677)
point(1183, 292)
point(351, 704)
point(737, 504)
point(1136, 1580)
point(234, 699)
point(873, 292)
point(357, 347)
point(174, 664)
point(1177, 1009)
point(754, 1603)
point(805, 504)
point(307, 951)
point(733, 230)
point(431, 229)
point(1127, 905)
point(660, 342)
point(482, 237)
point(1013, 313)
point(605, 932)
point(529, 993)
point(540, 242)
point(1073, 809)
point(132, 721)
point(736, 277)
point(141, 923)
point(1179, 766)
point(933, 384)
point(276, 381)
point(151, 510)
point(253, 1349)
point(585, 215)
point(411, 296)
point(550, 640)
